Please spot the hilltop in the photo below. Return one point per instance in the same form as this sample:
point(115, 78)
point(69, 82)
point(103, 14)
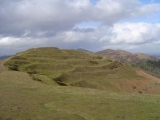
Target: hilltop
point(53, 66)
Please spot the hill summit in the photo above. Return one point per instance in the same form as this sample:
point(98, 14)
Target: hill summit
point(52, 66)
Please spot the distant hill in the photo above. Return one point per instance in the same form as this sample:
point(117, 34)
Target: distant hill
point(84, 50)
point(125, 56)
point(3, 57)
point(145, 62)
point(156, 55)
point(52, 66)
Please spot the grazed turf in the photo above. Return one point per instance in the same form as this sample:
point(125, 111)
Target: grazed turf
point(53, 66)
point(107, 90)
point(23, 98)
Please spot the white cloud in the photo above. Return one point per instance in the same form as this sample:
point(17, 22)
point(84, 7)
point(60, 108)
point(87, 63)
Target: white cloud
point(80, 4)
point(6, 41)
point(16, 42)
point(31, 23)
point(133, 33)
point(59, 15)
point(70, 36)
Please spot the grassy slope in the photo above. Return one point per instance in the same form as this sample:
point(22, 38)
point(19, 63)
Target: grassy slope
point(66, 66)
point(24, 98)
point(52, 66)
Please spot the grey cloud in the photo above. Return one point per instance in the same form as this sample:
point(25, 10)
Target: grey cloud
point(134, 33)
point(41, 16)
point(76, 29)
point(33, 23)
point(38, 15)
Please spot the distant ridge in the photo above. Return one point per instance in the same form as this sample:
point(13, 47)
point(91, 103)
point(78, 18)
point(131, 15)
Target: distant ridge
point(125, 56)
point(156, 55)
point(145, 62)
point(84, 50)
point(5, 56)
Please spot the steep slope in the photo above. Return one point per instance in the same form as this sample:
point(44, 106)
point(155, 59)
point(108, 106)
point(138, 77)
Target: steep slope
point(53, 66)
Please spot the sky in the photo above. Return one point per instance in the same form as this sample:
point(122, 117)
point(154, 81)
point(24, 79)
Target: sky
point(132, 25)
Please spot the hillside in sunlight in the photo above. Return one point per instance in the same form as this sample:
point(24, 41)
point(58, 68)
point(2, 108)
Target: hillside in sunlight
point(53, 66)
point(54, 84)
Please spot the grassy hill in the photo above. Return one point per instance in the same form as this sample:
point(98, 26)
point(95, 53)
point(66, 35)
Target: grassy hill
point(49, 83)
point(53, 66)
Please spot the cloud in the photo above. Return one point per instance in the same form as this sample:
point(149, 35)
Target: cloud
point(8, 41)
point(133, 33)
point(127, 36)
point(15, 42)
point(33, 23)
point(40, 16)
point(52, 16)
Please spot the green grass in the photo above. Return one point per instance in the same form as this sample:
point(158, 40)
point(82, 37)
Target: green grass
point(71, 67)
point(24, 98)
point(31, 89)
